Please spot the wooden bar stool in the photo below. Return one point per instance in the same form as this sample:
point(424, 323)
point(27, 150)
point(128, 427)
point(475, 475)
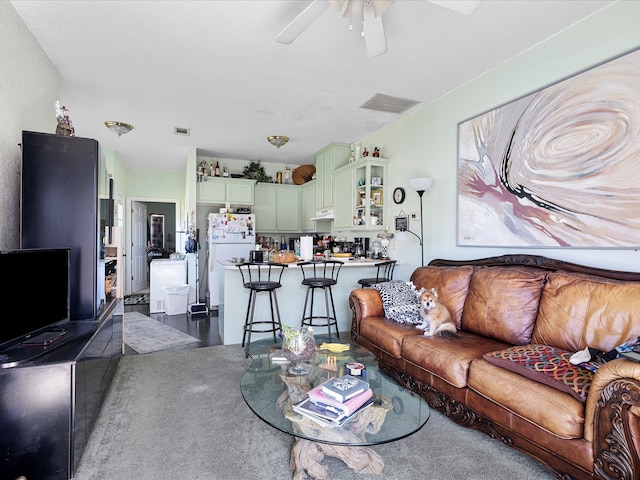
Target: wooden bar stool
point(320, 275)
point(261, 277)
point(384, 273)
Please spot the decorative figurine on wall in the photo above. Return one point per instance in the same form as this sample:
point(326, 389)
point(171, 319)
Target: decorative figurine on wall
point(365, 152)
point(376, 152)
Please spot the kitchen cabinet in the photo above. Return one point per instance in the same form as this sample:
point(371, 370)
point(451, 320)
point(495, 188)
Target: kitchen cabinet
point(332, 156)
point(307, 206)
point(277, 208)
point(343, 188)
point(220, 190)
point(359, 188)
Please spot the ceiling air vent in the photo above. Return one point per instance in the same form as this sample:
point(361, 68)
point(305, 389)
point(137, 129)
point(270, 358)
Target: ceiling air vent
point(386, 103)
point(185, 132)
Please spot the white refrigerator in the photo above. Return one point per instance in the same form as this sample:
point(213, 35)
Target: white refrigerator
point(229, 235)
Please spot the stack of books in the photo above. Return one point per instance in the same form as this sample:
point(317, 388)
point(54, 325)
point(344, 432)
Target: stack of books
point(336, 401)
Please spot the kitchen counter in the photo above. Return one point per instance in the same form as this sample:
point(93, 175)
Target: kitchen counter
point(347, 263)
point(233, 310)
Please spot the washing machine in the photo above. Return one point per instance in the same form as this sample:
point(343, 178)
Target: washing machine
point(164, 272)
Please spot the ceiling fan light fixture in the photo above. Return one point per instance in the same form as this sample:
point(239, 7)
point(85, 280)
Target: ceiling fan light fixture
point(119, 128)
point(277, 140)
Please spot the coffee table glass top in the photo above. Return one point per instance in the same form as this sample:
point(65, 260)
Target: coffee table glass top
point(270, 391)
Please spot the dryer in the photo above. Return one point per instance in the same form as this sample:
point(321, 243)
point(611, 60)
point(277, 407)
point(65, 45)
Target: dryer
point(165, 272)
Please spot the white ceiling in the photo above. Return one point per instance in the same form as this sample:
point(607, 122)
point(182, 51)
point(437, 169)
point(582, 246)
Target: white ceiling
point(214, 67)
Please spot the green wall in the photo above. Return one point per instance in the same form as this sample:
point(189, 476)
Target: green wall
point(424, 143)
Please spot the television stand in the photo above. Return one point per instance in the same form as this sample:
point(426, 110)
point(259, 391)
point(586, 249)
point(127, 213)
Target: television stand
point(72, 375)
point(44, 343)
point(44, 339)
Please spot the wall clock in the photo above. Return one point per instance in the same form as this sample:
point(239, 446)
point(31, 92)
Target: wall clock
point(398, 195)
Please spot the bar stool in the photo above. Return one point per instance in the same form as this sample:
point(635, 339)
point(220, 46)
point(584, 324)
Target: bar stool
point(261, 277)
point(321, 274)
point(384, 273)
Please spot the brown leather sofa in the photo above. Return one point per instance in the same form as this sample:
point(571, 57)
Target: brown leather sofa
point(504, 306)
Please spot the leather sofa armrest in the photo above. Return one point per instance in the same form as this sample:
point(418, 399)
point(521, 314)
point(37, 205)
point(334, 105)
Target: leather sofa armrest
point(612, 418)
point(364, 302)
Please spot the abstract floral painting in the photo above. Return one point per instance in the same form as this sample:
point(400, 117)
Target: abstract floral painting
point(557, 168)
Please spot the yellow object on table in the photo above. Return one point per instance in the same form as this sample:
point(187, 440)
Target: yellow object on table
point(335, 347)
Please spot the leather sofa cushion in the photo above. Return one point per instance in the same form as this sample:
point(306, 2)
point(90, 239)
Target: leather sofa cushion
point(545, 364)
point(387, 334)
point(554, 411)
point(448, 358)
point(502, 303)
point(451, 283)
point(577, 311)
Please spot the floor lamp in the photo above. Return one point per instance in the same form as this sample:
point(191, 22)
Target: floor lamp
point(420, 185)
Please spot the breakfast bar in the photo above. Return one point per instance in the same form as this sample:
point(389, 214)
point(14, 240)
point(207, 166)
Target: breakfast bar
point(291, 296)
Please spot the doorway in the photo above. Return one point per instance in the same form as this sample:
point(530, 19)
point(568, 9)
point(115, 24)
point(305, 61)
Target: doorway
point(139, 237)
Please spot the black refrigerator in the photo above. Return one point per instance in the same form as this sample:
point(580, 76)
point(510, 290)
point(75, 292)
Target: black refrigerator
point(60, 209)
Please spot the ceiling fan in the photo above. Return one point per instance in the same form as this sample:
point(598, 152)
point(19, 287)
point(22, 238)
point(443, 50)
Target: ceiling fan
point(367, 11)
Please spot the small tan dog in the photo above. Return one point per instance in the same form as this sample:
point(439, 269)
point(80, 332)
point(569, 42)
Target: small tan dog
point(436, 319)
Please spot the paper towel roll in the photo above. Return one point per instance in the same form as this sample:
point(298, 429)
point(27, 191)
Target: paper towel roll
point(306, 248)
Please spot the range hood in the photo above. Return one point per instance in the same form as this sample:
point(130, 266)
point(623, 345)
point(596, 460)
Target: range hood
point(323, 215)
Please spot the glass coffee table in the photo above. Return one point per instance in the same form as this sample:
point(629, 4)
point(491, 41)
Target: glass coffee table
point(270, 391)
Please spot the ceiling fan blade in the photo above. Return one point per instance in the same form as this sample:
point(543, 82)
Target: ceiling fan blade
point(374, 37)
point(465, 7)
point(302, 21)
point(381, 5)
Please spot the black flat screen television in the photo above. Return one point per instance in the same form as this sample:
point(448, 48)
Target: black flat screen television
point(35, 290)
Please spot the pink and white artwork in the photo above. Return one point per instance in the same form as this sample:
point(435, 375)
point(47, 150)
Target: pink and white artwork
point(557, 168)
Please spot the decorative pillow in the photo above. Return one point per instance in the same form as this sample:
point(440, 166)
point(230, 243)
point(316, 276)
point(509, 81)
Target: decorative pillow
point(547, 365)
point(399, 301)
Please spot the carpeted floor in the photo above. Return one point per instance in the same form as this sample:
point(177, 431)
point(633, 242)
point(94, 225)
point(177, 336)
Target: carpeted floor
point(180, 415)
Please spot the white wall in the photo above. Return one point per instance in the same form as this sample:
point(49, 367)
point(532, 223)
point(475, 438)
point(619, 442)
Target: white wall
point(29, 88)
point(425, 142)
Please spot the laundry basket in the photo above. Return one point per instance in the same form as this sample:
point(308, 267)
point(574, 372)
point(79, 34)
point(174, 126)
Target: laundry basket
point(176, 299)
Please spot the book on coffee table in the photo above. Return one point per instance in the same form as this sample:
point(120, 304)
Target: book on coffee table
point(344, 388)
point(277, 356)
point(317, 396)
point(324, 417)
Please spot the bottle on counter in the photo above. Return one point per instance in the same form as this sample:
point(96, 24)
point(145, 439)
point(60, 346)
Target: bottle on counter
point(217, 171)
